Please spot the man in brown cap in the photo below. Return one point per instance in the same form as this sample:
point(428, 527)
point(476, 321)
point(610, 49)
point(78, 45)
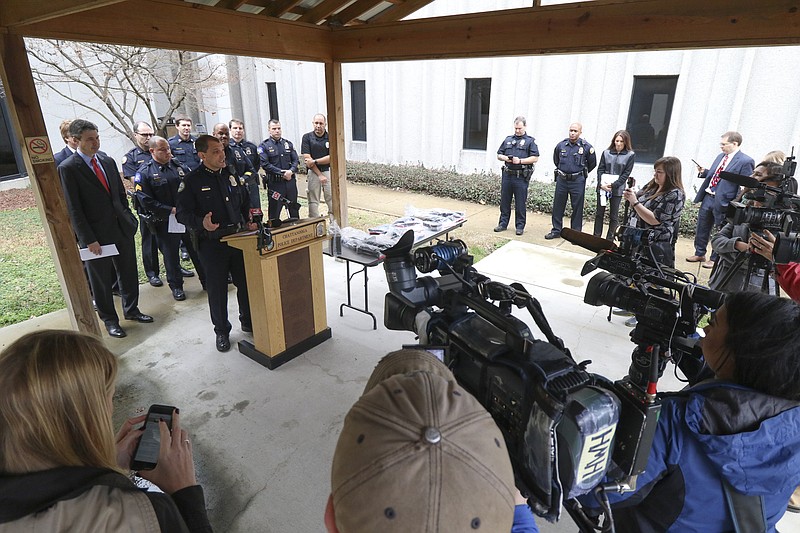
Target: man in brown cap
point(419, 453)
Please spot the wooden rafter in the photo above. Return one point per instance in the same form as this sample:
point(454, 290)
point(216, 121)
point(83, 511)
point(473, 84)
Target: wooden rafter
point(279, 7)
point(203, 28)
point(576, 28)
point(20, 12)
point(353, 11)
point(231, 4)
point(399, 11)
point(322, 11)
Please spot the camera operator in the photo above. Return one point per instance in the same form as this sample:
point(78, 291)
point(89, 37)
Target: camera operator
point(711, 457)
point(61, 467)
point(417, 452)
point(733, 240)
point(658, 206)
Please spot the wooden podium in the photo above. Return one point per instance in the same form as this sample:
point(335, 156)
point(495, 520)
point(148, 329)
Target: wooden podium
point(286, 286)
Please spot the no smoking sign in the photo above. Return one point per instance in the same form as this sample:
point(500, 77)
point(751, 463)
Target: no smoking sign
point(39, 150)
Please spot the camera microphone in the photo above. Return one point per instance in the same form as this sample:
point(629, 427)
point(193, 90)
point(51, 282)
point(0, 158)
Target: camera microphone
point(738, 179)
point(584, 240)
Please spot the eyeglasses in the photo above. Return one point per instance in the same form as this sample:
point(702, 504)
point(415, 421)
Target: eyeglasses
point(145, 134)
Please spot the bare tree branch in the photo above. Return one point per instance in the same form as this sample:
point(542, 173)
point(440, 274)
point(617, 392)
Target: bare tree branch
point(132, 82)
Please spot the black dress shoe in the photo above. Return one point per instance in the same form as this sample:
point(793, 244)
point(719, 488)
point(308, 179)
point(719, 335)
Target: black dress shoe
point(184, 255)
point(223, 342)
point(519, 232)
point(247, 328)
point(155, 281)
point(498, 229)
point(178, 294)
point(186, 273)
point(553, 235)
point(115, 331)
point(140, 317)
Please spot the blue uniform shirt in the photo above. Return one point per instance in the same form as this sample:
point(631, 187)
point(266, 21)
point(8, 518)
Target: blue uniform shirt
point(134, 159)
point(277, 156)
point(184, 151)
point(156, 186)
point(250, 150)
point(518, 146)
point(573, 158)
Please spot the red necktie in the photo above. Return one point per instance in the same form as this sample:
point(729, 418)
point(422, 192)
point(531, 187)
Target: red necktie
point(100, 174)
point(715, 177)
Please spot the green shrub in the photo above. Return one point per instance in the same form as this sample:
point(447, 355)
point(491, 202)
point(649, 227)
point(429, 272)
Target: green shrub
point(480, 188)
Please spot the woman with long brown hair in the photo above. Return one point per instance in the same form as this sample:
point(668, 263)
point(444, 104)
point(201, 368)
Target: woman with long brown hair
point(616, 165)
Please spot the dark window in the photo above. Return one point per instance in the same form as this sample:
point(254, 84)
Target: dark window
point(649, 114)
point(11, 163)
point(358, 108)
point(272, 96)
point(476, 113)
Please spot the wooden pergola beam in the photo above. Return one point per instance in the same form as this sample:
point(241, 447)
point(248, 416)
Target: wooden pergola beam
point(230, 4)
point(20, 12)
point(576, 28)
point(353, 11)
point(399, 11)
point(322, 11)
point(279, 7)
point(202, 29)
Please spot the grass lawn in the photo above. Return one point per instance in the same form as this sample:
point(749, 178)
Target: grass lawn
point(29, 286)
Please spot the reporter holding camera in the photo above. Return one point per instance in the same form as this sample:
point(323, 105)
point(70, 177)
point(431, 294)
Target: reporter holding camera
point(732, 240)
point(61, 466)
point(726, 446)
point(658, 206)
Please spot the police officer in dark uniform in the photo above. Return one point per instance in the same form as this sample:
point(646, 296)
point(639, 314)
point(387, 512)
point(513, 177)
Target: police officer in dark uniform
point(214, 203)
point(238, 163)
point(574, 159)
point(156, 187)
point(135, 158)
point(279, 160)
point(519, 151)
point(249, 148)
point(182, 144)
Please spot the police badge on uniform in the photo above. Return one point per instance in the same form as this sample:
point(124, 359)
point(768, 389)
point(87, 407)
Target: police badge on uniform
point(181, 186)
point(521, 142)
point(286, 146)
point(233, 181)
point(580, 150)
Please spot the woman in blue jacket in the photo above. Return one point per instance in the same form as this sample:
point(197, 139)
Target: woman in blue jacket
point(734, 438)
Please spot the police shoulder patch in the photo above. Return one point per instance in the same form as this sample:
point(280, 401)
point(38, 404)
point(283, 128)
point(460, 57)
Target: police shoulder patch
point(591, 150)
point(181, 186)
point(137, 178)
point(259, 150)
point(124, 159)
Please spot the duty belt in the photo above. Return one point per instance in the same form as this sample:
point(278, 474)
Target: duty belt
point(515, 172)
point(569, 176)
point(223, 232)
point(274, 177)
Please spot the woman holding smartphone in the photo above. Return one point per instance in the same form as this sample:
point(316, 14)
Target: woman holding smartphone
point(61, 466)
point(616, 165)
point(658, 206)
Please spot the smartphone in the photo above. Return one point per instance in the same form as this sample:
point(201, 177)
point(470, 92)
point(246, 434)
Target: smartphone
point(631, 182)
point(146, 455)
point(696, 163)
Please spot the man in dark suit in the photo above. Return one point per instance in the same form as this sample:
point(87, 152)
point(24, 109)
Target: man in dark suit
point(70, 147)
point(715, 193)
point(99, 212)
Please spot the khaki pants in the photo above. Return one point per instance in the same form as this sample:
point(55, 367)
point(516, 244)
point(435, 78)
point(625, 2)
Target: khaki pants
point(314, 190)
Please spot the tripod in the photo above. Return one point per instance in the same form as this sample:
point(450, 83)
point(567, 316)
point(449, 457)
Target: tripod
point(754, 262)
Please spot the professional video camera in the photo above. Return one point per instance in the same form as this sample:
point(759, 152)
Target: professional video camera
point(562, 424)
point(780, 206)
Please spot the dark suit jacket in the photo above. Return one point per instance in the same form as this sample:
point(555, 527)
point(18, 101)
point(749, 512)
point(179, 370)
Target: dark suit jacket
point(61, 156)
point(741, 163)
point(96, 215)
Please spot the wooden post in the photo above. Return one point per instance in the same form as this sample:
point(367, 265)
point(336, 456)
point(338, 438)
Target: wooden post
point(333, 89)
point(28, 123)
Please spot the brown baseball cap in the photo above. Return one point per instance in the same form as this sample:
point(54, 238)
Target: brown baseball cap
point(418, 453)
